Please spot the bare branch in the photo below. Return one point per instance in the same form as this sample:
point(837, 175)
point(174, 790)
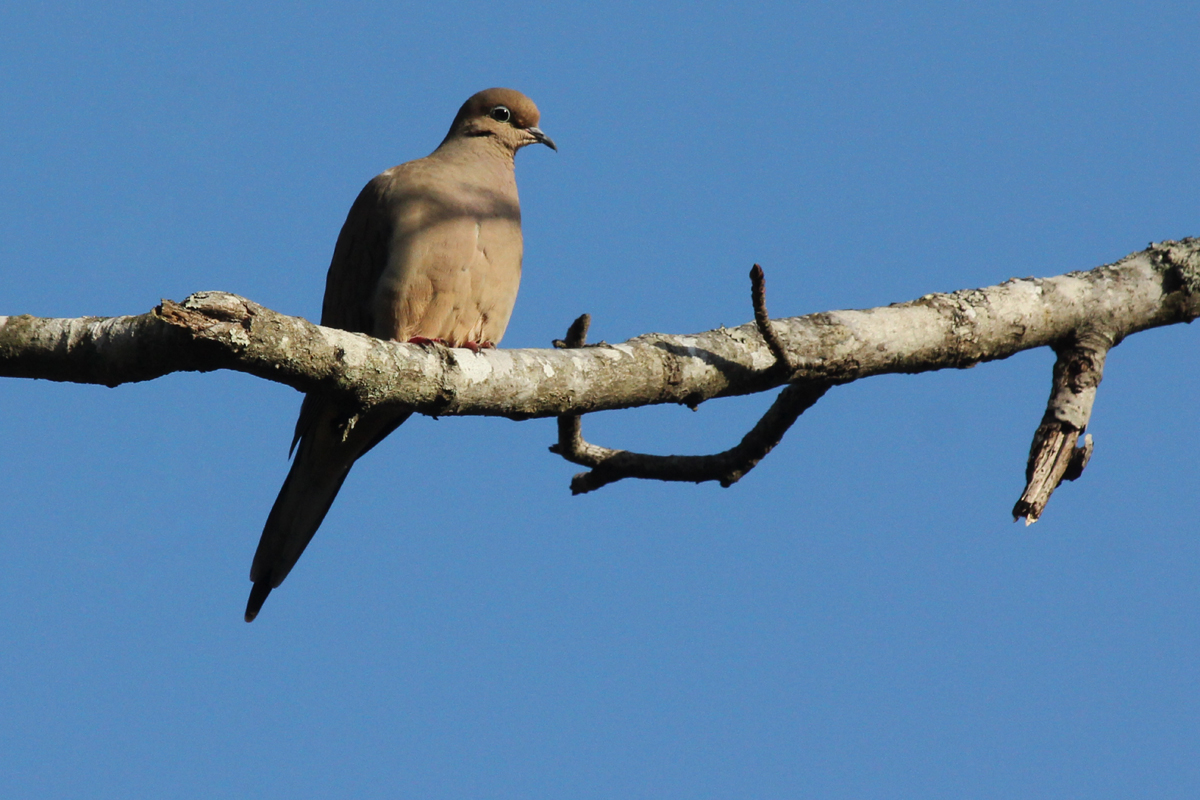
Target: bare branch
point(211, 330)
point(758, 298)
point(1081, 314)
point(570, 426)
point(728, 467)
point(1053, 456)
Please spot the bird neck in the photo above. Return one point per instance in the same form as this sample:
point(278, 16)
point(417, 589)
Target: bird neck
point(475, 149)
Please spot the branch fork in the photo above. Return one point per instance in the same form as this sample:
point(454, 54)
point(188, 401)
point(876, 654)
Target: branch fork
point(1081, 315)
point(727, 467)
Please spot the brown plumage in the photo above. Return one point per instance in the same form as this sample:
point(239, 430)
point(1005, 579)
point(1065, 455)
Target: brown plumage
point(431, 249)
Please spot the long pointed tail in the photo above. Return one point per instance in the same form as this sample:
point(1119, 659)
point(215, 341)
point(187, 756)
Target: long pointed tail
point(309, 491)
point(323, 461)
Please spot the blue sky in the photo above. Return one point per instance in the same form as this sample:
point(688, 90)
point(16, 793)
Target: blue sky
point(859, 617)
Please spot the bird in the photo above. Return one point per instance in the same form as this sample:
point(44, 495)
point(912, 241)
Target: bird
point(430, 253)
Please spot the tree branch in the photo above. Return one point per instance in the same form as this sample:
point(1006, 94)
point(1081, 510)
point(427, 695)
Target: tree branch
point(758, 299)
point(727, 467)
point(1053, 456)
point(213, 330)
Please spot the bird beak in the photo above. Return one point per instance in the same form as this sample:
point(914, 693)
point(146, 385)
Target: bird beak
point(538, 136)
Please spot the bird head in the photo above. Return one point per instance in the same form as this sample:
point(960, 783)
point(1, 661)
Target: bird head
point(506, 115)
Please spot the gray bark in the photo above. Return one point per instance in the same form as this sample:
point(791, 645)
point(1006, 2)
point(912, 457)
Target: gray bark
point(214, 330)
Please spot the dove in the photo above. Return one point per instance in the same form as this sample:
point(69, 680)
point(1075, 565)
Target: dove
point(431, 253)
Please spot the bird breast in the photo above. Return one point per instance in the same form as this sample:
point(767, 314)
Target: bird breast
point(453, 267)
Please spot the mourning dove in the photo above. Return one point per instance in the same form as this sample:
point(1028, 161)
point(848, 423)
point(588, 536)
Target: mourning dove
point(431, 250)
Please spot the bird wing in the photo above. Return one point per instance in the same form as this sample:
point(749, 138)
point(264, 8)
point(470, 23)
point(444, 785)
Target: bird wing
point(359, 258)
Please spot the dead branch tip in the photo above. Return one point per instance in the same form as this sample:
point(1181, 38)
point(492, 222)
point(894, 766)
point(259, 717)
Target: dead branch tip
point(1053, 456)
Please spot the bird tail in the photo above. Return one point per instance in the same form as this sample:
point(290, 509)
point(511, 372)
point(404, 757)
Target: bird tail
point(309, 491)
point(323, 460)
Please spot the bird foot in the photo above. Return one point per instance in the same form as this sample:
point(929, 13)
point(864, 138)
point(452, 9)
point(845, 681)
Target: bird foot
point(474, 347)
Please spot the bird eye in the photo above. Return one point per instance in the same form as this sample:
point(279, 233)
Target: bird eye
point(501, 114)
